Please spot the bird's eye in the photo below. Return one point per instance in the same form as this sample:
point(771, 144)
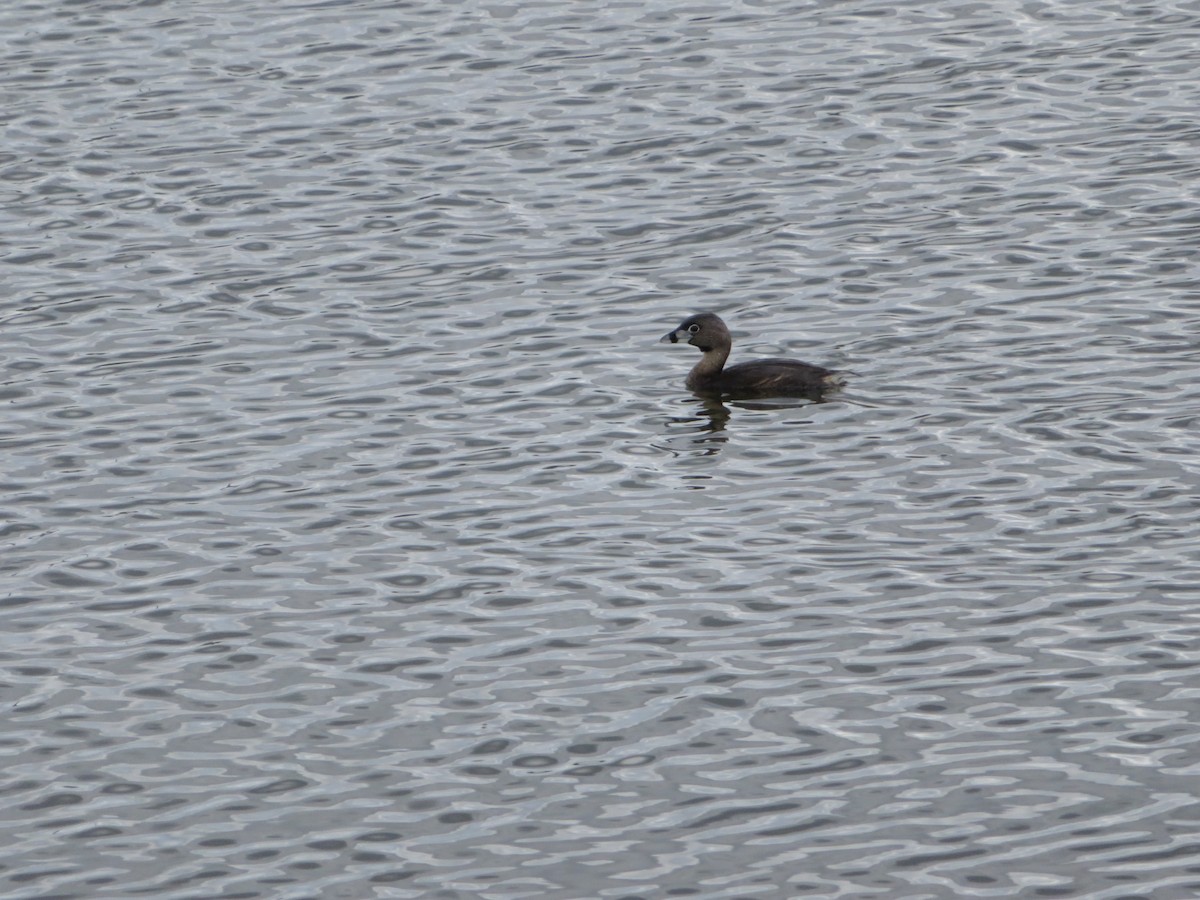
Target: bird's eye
point(692, 329)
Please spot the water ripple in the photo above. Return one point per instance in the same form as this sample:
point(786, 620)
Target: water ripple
point(360, 541)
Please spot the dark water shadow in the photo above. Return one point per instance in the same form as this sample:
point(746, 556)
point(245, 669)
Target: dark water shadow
point(710, 421)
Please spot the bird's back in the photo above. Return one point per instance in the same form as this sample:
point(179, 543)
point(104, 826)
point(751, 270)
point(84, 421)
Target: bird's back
point(772, 378)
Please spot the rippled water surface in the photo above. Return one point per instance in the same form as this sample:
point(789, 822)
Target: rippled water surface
point(360, 541)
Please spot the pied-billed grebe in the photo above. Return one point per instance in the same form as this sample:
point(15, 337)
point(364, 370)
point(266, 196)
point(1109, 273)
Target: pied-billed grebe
point(760, 378)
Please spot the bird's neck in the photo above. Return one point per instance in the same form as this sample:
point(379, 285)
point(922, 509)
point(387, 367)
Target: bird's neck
point(712, 361)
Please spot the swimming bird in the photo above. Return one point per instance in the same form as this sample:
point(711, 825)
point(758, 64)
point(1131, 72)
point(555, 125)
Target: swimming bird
point(748, 380)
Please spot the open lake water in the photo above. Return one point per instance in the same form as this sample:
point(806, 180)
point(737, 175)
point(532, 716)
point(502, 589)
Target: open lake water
point(359, 540)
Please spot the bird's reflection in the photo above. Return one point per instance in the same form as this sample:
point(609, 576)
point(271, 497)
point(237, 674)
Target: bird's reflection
point(718, 414)
point(711, 418)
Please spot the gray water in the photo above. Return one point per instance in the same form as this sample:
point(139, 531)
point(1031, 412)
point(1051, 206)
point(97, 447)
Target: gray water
point(360, 541)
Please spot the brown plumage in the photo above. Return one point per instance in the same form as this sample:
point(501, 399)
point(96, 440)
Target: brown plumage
point(748, 380)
